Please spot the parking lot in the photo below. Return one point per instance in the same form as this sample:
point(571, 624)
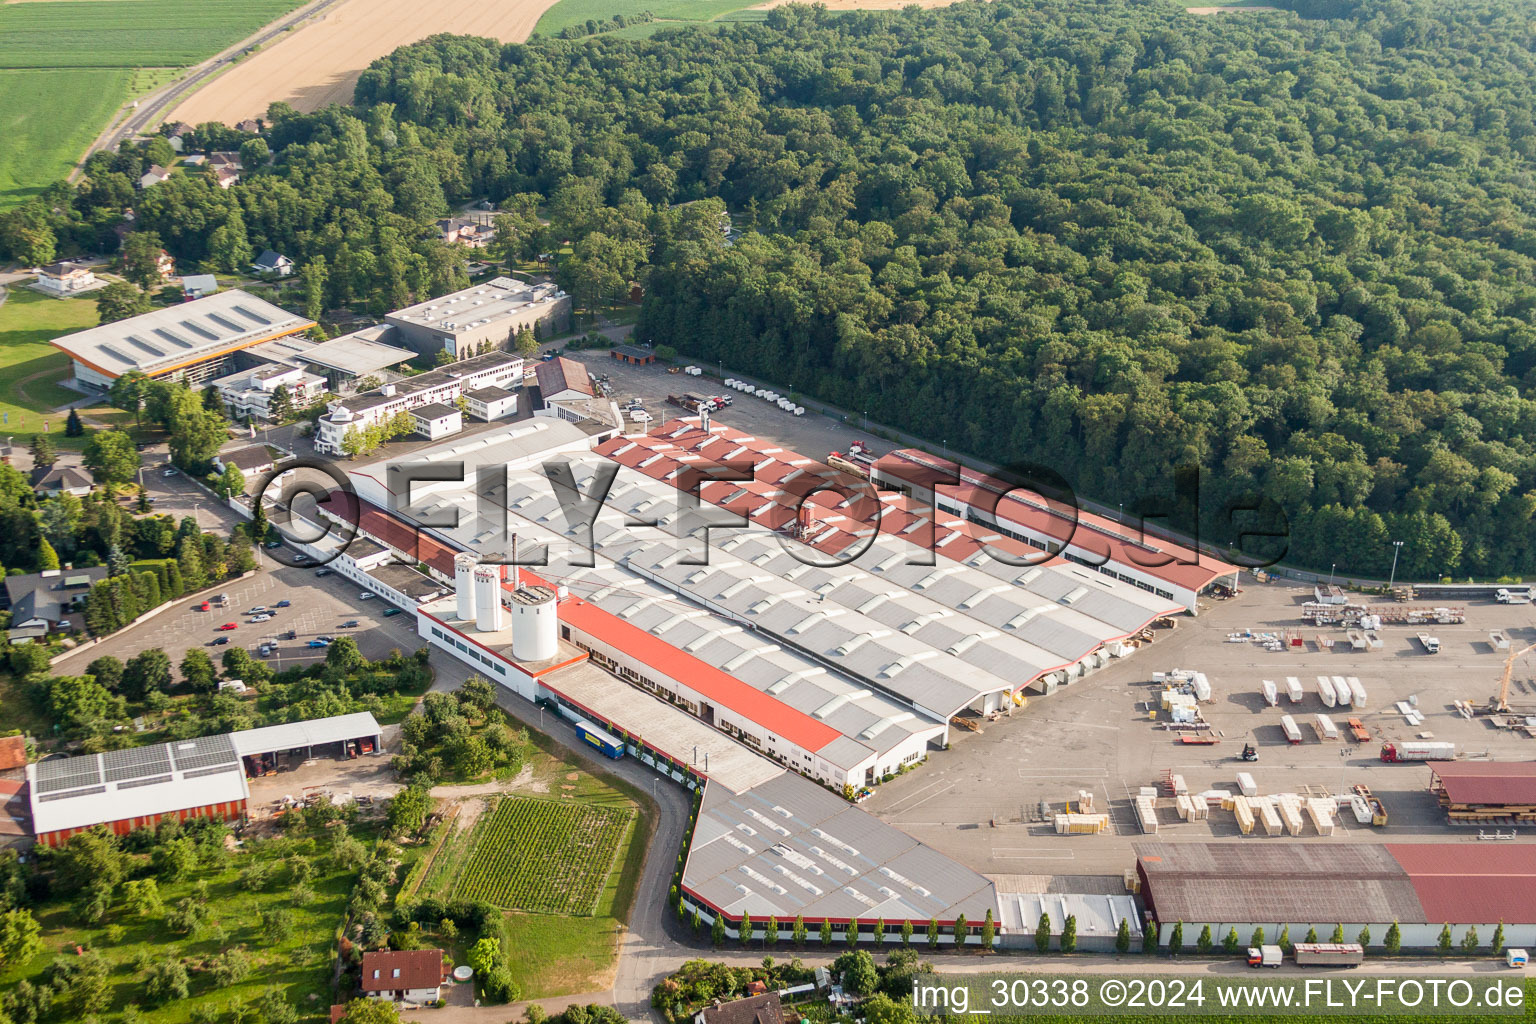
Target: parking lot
point(979, 801)
point(319, 606)
point(812, 434)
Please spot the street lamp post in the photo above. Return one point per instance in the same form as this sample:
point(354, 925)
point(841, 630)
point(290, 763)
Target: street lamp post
point(1331, 568)
point(1396, 547)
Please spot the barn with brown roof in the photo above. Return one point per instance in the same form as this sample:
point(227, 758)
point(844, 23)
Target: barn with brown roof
point(1421, 887)
point(1486, 792)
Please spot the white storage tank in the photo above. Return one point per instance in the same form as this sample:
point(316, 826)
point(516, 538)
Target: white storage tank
point(464, 587)
point(489, 616)
point(535, 624)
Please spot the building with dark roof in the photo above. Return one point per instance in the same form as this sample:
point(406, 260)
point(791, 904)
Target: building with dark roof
point(48, 602)
point(561, 378)
point(51, 481)
point(1419, 886)
point(404, 975)
point(635, 355)
point(270, 262)
point(1486, 792)
point(758, 1009)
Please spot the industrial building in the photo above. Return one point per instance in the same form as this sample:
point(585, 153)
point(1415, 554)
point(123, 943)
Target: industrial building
point(465, 322)
point(362, 353)
point(1419, 886)
point(193, 341)
point(196, 778)
point(428, 392)
point(1163, 567)
point(1485, 792)
point(251, 393)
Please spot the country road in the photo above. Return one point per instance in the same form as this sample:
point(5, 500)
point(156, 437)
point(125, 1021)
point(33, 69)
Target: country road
point(151, 107)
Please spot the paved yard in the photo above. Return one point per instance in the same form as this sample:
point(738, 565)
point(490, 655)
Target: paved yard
point(319, 606)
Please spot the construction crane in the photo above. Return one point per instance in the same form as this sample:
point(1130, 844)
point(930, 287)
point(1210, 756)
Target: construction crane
point(1500, 704)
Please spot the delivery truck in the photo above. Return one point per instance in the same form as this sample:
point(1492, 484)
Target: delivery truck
point(1265, 956)
point(1431, 643)
point(1417, 750)
point(1328, 954)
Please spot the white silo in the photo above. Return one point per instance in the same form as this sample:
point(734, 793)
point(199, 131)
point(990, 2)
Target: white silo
point(488, 614)
point(535, 624)
point(464, 586)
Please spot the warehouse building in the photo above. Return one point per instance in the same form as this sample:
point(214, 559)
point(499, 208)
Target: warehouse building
point(181, 780)
point(362, 353)
point(1162, 567)
point(465, 322)
point(193, 341)
point(1422, 887)
point(789, 849)
point(1486, 792)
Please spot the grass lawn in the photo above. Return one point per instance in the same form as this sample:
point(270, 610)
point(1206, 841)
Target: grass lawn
point(30, 368)
point(47, 119)
point(577, 12)
point(554, 955)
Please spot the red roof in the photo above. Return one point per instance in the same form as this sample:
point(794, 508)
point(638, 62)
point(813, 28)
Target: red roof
point(417, 968)
point(1458, 884)
point(705, 679)
point(562, 374)
point(1488, 782)
point(1090, 532)
point(13, 752)
point(392, 532)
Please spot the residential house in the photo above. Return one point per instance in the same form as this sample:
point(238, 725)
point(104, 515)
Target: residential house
point(758, 1009)
point(48, 601)
point(226, 168)
point(176, 135)
point(270, 262)
point(249, 126)
point(195, 286)
point(51, 481)
point(463, 231)
point(195, 160)
point(65, 278)
point(165, 263)
point(404, 975)
point(13, 755)
point(252, 460)
point(154, 176)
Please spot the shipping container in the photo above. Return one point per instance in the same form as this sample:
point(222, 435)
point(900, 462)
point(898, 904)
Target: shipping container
point(610, 746)
point(1294, 690)
point(1292, 732)
point(1328, 954)
point(1325, 691)
point(1271, 693)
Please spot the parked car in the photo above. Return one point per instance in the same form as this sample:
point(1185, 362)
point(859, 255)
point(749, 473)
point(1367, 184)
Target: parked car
point(325, 639)
point(259, 618)
point(323, 572)
point(290, 635)
point(349, 624)
point(363, 595)
point(273, 544)
point(230, 625)
point(318, 643)
point(169, 472)
point(265, 650)
point(218, 641)
point(203, 607)
point(285, 604)
point(257, 610)
point(391, 611)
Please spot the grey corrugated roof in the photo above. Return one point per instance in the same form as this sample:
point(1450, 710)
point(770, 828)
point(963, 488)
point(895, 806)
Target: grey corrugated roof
point(789, 847)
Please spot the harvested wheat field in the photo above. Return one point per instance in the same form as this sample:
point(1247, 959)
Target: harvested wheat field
point(862, 5)
point(318, 62)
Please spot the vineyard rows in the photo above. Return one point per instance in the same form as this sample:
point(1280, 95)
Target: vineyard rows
point(542, 856)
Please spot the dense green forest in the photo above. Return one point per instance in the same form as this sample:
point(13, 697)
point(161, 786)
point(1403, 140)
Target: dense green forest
point(1294, 248)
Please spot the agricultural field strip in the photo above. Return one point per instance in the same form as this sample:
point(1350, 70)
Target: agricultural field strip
point(542, 856)
point(127, 33)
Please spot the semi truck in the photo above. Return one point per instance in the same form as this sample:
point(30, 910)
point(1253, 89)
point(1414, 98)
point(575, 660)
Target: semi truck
point(1417, 750)
point(1328, 954)
point(609, 746)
